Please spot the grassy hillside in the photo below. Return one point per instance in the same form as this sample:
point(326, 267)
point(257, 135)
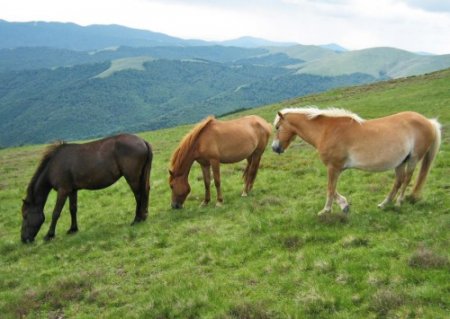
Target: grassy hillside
point(264, 256)
point(378, 62)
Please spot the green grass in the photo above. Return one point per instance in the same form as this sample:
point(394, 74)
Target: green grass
point(264, 256)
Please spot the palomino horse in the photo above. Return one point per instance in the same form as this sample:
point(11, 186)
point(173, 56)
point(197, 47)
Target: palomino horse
point(212, 142)
point(344, 140)
point(95, 165)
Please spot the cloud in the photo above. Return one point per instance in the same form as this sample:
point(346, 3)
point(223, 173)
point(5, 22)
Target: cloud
point(430, 5)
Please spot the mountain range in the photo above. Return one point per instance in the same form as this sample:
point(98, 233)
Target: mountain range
point(65, 81)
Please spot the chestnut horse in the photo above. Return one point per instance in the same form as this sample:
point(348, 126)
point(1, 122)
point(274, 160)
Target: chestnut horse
point(212, 142)
point(344, 140)
point(68, 168)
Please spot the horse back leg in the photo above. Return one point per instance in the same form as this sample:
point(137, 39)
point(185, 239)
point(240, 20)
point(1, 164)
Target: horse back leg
point(206, 171)
point(73, 199)
point(251, 172)
point(215, 164)
point(60, 201)
point(410, 166)
point(342, 202)
point(399, 178)
point(138, 180)
point(134, 184)
point(246, 177)
point(424, 169)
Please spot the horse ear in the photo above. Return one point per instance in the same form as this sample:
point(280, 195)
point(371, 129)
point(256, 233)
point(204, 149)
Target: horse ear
point(280, 115)
point(25, 202)
point(171, 173)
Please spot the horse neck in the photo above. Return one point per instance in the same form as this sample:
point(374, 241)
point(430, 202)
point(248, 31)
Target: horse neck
point(310, 130)
point(184, 165)
point(39, 188)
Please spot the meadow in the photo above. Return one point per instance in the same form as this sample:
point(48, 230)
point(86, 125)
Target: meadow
point(264, 256)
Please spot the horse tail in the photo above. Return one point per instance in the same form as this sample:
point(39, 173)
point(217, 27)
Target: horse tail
point(428, 158)
point(145, 179)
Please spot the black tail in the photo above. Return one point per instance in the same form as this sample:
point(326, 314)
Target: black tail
point(145, 180)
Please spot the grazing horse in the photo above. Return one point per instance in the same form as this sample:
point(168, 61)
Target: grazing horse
point(68, 168)
point(212, 142)
point(344, 140)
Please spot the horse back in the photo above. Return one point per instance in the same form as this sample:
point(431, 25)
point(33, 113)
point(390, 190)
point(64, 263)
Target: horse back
point(234, 140)
point(96, 164)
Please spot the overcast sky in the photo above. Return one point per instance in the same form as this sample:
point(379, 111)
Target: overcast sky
point(414, 25)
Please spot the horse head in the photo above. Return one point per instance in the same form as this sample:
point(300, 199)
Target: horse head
point(33, 218)
point(180, 189)
point(284, 135)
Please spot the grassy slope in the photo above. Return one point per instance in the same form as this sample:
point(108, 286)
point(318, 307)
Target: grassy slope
point(377, 62)
point(264, 256)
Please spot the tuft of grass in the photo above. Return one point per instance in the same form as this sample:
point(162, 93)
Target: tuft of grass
point(385, 300)
point(249, 310)
point(425, 258)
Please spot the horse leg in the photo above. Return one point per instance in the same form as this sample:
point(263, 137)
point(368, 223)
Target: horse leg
point(253, 170)
point(342, 201)
point(206, 170)
point(421, 178)
point(73, 212)
point(247, 177)
point(140, 214)
point(215, 164)
point(399, 177)
point(411, 165)
point(60, 201)
point(333, 175)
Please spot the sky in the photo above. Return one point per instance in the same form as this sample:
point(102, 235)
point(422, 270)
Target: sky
point(413, 25)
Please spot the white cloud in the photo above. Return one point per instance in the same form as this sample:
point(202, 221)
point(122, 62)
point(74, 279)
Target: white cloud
point(413, 25)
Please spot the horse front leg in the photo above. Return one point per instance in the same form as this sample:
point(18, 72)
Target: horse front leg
point(60, 201)
point(333, 175)
point(215, 164)
point(73, 199)
point(206, 170)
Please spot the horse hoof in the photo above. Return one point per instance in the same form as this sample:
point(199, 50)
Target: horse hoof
point(244, 194)
point(49, 237)
point(219, 204)
point(72, 231)
point(323, 212)
point(381, 206)
point(346, 209)
point(204, 203)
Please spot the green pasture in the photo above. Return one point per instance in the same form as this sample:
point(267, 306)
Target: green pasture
point(264, 256)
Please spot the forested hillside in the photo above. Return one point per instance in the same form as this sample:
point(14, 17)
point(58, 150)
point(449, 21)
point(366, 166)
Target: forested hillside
point(76, 102)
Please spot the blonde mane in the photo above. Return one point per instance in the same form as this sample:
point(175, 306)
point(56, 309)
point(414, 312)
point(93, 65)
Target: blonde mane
point(312, 112)
point(187, 142)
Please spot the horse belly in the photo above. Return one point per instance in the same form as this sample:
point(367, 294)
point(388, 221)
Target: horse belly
point(96, 179)
point(376, 162)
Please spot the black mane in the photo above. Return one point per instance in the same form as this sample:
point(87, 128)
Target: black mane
point(50, 151)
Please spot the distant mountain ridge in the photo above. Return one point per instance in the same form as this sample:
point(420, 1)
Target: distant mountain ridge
point(93, 37)
point(64, 81)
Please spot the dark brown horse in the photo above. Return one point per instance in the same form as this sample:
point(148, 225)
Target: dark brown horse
point(68, 168)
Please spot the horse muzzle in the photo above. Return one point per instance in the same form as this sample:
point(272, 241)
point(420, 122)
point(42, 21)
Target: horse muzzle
point(177, 205)
point(276, 147)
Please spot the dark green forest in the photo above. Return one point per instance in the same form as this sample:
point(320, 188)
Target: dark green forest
point(39, 106)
